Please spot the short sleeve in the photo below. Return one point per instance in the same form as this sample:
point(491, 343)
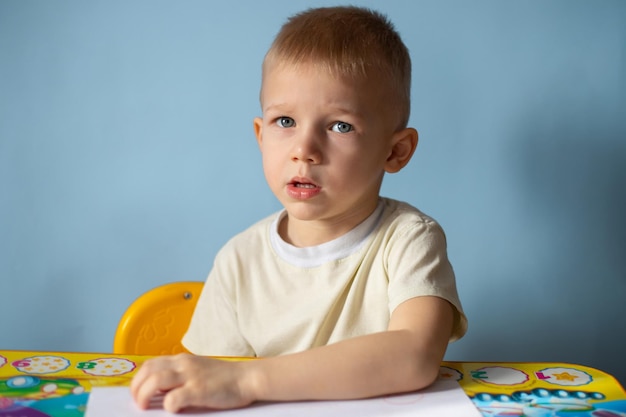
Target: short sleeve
point(214, 330)
point(418, 265)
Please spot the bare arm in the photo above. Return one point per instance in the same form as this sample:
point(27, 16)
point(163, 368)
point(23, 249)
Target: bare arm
point(404, 358)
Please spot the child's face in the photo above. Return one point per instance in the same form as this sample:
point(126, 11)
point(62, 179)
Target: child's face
point(325, 142)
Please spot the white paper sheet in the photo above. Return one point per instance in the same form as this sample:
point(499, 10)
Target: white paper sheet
point(444, 398)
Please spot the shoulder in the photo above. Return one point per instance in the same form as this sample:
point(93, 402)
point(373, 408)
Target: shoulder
point(406, 233)
point(400, 218)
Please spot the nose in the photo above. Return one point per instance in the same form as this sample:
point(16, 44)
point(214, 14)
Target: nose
point(307, 147)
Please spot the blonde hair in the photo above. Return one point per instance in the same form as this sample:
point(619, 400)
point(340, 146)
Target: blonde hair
point(352, 42)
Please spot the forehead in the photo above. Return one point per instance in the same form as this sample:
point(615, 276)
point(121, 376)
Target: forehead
point(311, 81)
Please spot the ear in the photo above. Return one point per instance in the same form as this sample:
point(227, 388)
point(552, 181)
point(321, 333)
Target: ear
point(403, 144)
point(258, 130)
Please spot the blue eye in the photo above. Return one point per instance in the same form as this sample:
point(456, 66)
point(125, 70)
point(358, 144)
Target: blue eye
point(285, 122)
point(342, 127)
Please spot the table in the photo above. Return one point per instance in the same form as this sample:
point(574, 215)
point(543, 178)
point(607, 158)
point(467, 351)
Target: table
point(57, 384)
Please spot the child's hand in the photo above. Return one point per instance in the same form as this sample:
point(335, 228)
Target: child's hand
point(404, 358)
point(191, 381)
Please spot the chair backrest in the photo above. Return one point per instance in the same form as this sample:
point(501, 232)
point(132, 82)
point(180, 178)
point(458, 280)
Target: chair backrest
point(155, 323)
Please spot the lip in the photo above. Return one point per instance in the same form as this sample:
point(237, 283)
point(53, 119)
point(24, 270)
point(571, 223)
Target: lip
point(301, 188)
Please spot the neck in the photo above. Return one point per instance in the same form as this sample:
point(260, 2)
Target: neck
point(304, 233)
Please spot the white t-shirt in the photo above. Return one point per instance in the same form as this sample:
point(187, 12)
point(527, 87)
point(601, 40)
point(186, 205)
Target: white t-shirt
point(265, 297)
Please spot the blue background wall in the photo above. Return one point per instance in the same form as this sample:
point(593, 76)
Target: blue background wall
point(127, 158)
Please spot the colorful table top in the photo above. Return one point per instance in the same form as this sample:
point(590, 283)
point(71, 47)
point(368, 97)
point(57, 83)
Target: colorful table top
point(55, 384)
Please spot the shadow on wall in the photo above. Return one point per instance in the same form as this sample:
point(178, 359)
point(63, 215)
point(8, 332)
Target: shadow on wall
point(565, 295)
point(575, 175)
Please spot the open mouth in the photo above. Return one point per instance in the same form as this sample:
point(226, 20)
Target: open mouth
point(303, 185)
point(302, 188)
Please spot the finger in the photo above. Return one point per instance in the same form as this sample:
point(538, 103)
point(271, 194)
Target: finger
point(186, 398)
point(218, 396)
point(138, 380)
point(154, 366)
point(175, 401)
point(148, 368)
point(156, 384)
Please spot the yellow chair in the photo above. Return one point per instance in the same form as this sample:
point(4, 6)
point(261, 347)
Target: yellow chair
point(155, 323)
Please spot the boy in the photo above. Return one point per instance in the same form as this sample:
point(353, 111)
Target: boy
point(344, 294)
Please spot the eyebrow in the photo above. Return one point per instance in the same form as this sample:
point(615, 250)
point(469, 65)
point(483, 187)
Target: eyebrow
point(335, 109)
point(277, 106)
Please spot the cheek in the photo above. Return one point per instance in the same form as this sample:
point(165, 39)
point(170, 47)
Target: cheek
point(361, 169)
point(271, 167)
point(274, 152)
